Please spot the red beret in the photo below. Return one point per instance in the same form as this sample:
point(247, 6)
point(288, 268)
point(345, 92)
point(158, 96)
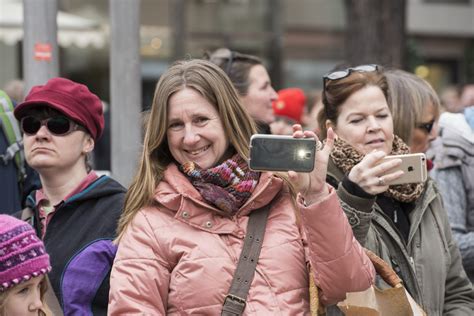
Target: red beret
point(70, 98)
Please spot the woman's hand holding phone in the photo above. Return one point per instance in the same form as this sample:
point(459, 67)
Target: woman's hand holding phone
point(373, 173)
point(312, 186)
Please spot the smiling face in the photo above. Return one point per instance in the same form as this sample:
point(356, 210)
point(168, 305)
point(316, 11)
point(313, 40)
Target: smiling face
point(260, 95)
point(25, 298)
point(46, 151)
point(195, 131)
point(365, 121)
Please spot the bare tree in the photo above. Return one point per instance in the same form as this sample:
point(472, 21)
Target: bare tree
point(376, 32)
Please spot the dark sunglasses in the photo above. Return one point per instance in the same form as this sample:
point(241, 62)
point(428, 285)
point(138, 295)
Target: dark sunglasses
point(340, 74)
point(57, 125)
point(428, 127)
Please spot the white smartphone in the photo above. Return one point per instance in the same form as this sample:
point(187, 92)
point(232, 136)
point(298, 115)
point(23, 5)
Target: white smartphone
point(413, 167)
point(281, 153)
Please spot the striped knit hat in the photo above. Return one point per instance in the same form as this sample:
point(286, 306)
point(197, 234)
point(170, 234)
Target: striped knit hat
point(22, 253)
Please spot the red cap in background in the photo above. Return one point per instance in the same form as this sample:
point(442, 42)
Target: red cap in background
point(290, 104)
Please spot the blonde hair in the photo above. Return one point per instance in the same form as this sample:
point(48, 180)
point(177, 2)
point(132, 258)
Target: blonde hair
point(212, 83)
point(45, 311)
point(409, 95)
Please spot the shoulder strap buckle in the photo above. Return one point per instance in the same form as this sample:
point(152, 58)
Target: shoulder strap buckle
point(233, 305)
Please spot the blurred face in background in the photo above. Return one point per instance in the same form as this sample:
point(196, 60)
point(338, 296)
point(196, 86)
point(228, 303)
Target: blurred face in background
point(282, 126)
point(260, 95)
point(425, 131)
point(365, 121)
point(310, 120)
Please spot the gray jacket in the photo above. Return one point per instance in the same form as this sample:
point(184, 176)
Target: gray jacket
point(429, 263)
point(454, 175)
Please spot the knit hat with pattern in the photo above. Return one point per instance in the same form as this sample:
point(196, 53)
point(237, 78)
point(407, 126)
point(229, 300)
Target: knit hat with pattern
point(22, 253)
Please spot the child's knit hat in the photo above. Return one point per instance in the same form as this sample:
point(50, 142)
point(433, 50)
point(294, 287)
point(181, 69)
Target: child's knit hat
point(22, 253)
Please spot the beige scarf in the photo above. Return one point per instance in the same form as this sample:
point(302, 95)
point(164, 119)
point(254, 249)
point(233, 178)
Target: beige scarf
point(345, 157)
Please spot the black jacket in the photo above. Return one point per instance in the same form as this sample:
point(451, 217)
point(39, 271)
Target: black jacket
point(79, 241)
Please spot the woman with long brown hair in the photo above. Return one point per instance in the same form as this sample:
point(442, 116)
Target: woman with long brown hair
point(187, 212)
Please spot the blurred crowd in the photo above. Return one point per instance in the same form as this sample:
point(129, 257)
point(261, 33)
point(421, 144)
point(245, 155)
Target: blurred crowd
point(199, 232)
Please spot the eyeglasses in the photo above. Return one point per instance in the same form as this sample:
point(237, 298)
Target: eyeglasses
point(57, 125)
point(428, 127)
point(340, 74)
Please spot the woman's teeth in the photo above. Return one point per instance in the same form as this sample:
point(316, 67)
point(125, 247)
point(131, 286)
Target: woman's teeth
point(195, 152)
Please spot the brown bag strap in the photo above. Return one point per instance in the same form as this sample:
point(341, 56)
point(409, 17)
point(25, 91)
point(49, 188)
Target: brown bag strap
point(384, 270)
point(235, 301)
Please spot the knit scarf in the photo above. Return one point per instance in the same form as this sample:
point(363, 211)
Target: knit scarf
point(346, 157)
point(227, 186)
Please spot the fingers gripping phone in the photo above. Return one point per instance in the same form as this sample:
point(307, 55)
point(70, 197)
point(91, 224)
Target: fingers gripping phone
point(413, 167)
point(281, 153)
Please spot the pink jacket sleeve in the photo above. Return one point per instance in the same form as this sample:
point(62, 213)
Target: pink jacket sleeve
point(339, 262)
point(138, 269)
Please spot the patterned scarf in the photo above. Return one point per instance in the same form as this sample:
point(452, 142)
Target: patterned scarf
point(227, 186)
point(345, 157)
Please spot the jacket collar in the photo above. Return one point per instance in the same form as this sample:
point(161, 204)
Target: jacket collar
point(177, 194)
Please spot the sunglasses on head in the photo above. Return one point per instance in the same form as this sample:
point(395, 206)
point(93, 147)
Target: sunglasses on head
point(230, 57)
point(57, 125)
point(428, 127)
point(230, 60)
point(340, 74)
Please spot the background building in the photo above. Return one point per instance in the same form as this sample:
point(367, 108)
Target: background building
point(307, 36)
point(300, 40)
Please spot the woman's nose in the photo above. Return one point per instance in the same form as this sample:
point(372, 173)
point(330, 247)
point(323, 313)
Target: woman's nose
point(433, 133)
point(190, 136)
point(43, 132)
point(36, 304)
point(273, 94)
point(373, 124)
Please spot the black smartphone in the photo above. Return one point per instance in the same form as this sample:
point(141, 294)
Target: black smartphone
point(281, 153)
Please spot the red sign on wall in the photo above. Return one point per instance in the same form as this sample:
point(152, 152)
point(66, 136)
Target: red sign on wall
point(43, 51)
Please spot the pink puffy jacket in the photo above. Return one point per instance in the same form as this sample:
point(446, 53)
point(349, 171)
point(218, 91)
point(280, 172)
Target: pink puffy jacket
point(178, 258)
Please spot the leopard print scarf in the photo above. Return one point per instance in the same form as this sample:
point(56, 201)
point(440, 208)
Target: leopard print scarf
point(345, 157)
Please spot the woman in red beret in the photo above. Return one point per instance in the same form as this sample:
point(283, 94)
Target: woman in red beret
point(76, 211)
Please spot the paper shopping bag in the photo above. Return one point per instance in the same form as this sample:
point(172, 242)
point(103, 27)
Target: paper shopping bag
point(394, 301)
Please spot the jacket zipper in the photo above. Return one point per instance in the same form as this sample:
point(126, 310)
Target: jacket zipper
point(411, 261)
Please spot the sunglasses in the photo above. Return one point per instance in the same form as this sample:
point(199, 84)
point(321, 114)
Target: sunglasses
point(428, 127)
point(57, 125)
point(340, 74)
